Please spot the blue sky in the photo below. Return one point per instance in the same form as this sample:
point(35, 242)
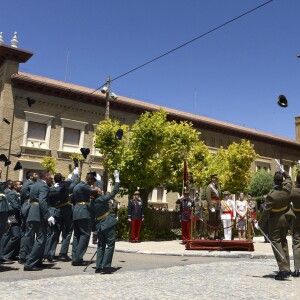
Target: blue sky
point(234, 74)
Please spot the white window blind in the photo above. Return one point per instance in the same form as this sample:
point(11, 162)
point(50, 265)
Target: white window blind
point(71, 136)
point(36, 131)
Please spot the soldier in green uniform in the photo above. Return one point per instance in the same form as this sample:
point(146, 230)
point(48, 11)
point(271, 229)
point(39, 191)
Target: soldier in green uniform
point(37, 219)
point(295, 198)
point(278, 212)
point(82, 218)
point(11, 248)
point(4, 208)
point(58, 203)
point(27, 236)
point(104, 223)
point(204, 218)
point(213, 200)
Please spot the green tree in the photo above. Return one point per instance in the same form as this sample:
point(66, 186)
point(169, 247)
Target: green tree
point(151, 152)
point(49, 163)
point(233, 165)
point(261, 183)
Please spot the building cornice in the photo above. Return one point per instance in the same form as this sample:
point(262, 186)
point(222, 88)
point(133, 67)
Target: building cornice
point(14, 54)
point(86, 95)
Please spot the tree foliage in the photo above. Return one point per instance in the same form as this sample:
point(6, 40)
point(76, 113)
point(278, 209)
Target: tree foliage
point(261, 183)
point(152, 152)
point(233, 166)
point(49, 163)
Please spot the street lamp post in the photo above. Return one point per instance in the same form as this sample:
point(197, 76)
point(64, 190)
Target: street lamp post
point(108, 96)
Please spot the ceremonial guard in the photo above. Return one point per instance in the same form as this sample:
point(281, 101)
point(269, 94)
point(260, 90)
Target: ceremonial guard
point(37, 219)
point(82, 218)
point(135, 216)
point(227, 215)
point(104, 224)
point(61, 208)
point(186, 206)
point(295, 198)
point(278, 212)
point(265, 229)
point(213, 200)
point(27, 236)
point(11, 244)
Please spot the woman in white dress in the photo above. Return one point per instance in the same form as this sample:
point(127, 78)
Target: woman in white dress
point(241, 219)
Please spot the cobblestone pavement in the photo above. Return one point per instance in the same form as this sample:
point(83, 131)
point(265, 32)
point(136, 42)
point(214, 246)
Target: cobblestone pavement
point(249, 279)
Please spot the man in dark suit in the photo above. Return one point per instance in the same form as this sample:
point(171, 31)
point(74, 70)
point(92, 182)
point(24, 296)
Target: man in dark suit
point(27, 236)
point(37, 219)
point(61, 208)
point(4, 208)
point(104, 223)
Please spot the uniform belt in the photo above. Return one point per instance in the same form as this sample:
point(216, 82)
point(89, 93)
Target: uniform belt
point(215, 198)
point(62, 205)
point(103, 216)
point(81, 203)
point(279, 209)
point(34, 202)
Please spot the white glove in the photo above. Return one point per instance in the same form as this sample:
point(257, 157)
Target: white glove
point(279, 166)
point(9, 221)
point(98, 177)
point(212, 210)
point(129, 220)
point(51, 221)
point(256, 224)
point(76, 171)
point(117, 176)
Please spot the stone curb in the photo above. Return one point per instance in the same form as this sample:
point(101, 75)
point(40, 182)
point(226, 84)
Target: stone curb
point(200, 254)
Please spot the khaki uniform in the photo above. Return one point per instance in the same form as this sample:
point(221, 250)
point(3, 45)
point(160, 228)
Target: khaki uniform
point(205, 218)
point(295, 197)
point(278, 212)
point(213, 200)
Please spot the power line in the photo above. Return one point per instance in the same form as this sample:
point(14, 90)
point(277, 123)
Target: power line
point(191, 41)
point(157, 58)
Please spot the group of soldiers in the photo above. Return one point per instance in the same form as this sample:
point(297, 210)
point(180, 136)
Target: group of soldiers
point(35, 214)
point(280, 213)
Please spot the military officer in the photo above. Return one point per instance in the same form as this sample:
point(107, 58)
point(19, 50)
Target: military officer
point(104, 224)
point(213, 200)
point(295, 198)
point(27, 235)
point(58, 203)
point(186, 206)
point(278, 212)
point(82, 218)
point(37, 219)
point(204, 219)
point(12, 245)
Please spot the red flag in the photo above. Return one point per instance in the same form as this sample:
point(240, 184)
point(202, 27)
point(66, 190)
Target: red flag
point(185, 174)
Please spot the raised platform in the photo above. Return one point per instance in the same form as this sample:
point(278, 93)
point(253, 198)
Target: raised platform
point(234, 245)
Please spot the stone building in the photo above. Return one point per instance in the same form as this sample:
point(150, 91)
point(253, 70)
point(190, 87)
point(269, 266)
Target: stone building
point(64, 116)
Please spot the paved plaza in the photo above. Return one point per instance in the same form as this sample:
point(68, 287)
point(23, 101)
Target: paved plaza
point(220, 278)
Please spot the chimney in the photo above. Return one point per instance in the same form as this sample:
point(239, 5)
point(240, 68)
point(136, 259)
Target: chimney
point(297, 125)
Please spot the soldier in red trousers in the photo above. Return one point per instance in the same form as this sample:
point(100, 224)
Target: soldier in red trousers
point(135, 216)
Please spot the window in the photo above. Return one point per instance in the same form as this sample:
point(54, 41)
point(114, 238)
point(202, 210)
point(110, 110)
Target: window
point(37, 129)
point(262, 165)
point(72, 135)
